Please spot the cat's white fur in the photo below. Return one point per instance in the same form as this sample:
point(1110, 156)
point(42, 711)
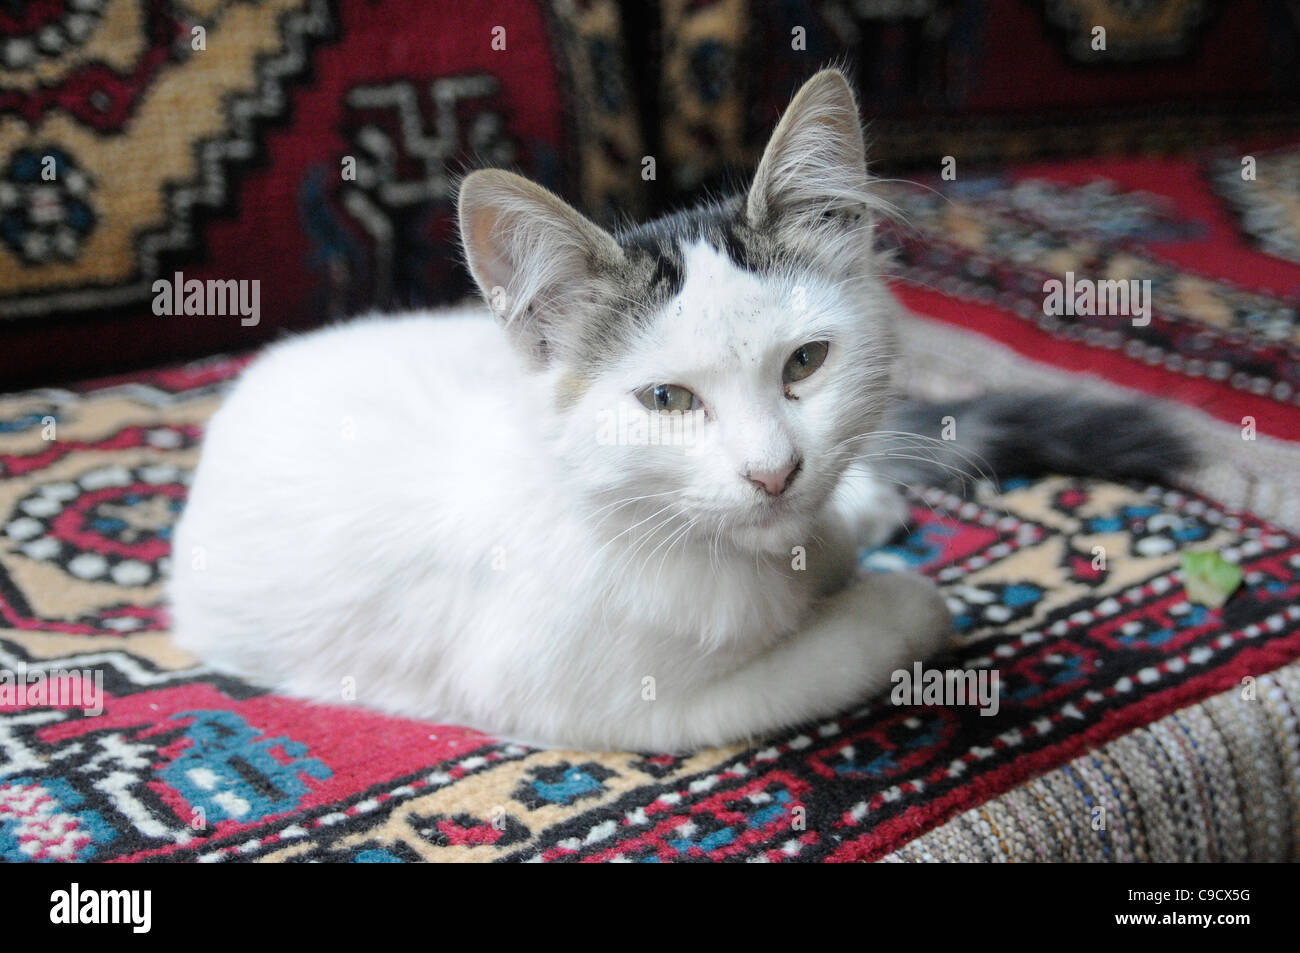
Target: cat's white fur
point(431, 513)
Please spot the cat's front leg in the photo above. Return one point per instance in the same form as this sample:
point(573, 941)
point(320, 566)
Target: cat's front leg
point(847, 651)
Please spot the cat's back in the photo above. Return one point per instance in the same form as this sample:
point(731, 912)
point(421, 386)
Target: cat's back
point(374, 392)
point(404, 364)
point(345, 436)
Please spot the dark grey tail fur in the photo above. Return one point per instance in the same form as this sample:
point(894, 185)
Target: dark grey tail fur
point(1023, 433)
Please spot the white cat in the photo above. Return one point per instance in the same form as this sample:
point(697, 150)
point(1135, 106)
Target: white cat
point(622, 513)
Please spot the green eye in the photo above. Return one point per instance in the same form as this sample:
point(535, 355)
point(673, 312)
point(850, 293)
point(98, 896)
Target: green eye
point(668, 398)
point(804, 361)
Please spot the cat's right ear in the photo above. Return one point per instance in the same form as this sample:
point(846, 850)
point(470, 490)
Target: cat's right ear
point(536, 259)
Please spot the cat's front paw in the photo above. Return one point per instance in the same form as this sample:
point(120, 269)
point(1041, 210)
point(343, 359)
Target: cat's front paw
point(918, 612)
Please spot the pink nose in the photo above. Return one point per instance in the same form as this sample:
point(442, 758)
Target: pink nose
point(774, 482)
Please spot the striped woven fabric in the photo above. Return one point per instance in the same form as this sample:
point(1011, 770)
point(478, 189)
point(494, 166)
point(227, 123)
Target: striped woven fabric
point(1216, 781)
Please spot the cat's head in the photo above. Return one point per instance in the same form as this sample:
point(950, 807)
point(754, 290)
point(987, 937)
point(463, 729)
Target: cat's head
point(714, 366)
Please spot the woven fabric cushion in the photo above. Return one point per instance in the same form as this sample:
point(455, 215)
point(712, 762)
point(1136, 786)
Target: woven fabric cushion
point(306, 145)
point(208, 768)
point(1213, 782)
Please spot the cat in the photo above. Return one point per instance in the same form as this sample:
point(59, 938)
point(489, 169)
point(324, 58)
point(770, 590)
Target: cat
point(620, 506)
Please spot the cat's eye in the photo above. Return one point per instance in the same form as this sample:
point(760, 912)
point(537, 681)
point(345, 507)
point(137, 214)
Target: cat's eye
point(804, 361)
point(668, 398)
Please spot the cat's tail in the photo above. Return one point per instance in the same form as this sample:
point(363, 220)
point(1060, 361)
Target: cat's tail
point(1026, 433)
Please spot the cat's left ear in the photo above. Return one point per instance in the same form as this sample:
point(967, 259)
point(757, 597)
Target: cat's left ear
point(813, 173)
point(538, 261)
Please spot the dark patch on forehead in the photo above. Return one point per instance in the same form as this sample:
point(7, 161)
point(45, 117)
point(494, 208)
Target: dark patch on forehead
point(738, 241)
point(721, 225)
point(648, 278)
point(637, 288)
point(653, 270)
point(656, 271)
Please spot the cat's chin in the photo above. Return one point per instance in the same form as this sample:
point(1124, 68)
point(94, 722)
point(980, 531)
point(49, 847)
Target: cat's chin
point(775, 532)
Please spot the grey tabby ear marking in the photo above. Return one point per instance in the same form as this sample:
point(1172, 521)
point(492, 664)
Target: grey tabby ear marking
point(721, 225)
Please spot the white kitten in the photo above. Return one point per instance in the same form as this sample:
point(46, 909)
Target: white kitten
point(624, 521)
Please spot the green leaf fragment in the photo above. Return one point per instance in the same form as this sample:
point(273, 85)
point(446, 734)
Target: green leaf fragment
point(1209, 578)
